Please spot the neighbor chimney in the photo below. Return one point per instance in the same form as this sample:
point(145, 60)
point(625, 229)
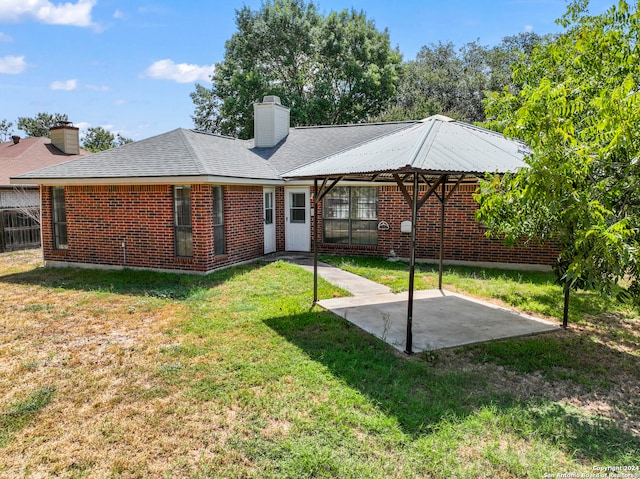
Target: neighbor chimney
point(16, 139)
point(66, 137)
point(270, 122)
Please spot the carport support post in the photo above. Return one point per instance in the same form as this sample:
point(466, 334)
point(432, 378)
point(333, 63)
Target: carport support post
point(315, 241)
point(412, 265)
point(442, 200)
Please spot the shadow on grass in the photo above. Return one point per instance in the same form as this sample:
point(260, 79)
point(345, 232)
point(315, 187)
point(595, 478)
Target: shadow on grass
point(566, 355)
point(421, 398)
point(178, 286)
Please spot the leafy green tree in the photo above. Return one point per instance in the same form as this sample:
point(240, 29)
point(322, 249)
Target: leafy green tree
point(99, 139)
point(579, 110)
point(40, 124)
point(454, 82)
point(5, 130)
point(327, 69)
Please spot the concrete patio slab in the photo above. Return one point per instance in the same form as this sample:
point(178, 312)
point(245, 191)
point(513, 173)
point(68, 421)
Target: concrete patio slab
point(441, 319)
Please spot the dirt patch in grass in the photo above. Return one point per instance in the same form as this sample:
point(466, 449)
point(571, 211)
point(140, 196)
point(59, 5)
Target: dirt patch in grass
point(113, 412)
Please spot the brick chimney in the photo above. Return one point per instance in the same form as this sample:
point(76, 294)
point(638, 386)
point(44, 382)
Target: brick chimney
point(270, 122)
point(66, 138)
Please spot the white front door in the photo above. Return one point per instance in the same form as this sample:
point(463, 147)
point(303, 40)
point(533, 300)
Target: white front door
point(269, 220)
point(297, 231)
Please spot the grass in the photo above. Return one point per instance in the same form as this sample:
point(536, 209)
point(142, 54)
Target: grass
point(20, 413)
point(530, 291)
point(236, 374)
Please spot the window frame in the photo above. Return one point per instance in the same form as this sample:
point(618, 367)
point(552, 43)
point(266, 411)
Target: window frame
point(219, 236)
point(59, 218)
point(182, 230)
point(348, 211)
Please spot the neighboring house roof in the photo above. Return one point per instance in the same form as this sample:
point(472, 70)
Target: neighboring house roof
point(27, 155)
point(184, 154)
point(435, 145)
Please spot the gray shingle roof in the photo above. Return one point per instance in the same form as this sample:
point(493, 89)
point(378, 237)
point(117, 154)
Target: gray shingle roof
point(175, 153)
point(434, 145)
point(187, 153)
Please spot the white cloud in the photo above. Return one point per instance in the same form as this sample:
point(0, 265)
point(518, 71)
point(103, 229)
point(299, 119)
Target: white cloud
point(118, 14)
point(67, 85)
point(77, 14)
point(119, 102)
point(12, 65)
point(5, 38)
point(179, 72)
point(528, 28)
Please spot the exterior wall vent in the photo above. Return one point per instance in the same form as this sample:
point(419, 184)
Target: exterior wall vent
point(270, 122)
point(66, 138)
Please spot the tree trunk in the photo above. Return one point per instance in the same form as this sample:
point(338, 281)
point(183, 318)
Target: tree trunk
point(565, 312)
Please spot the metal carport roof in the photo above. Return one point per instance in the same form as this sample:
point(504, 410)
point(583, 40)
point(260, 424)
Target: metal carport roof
point(435, 151)
point(436, 145)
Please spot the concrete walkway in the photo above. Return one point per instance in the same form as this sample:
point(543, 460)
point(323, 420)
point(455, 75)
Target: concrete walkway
point(441, 319)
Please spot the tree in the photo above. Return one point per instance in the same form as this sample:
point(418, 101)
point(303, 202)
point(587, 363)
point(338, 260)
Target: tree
point(99, 139)
point(579, 111)
point(5, 130)
point(454, 82)
point(327, 70)
point(41, 123)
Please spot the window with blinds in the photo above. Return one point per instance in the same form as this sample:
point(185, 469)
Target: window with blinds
point(182, 221)
point(350, 215)
point(59, 220)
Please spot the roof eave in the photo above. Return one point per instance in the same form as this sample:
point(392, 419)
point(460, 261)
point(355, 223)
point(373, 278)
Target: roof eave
point(147, 180)
point(386, 173)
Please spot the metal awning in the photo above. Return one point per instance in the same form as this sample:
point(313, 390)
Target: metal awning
point(437, 151)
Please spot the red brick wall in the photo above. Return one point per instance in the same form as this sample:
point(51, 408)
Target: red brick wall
point(465, 238)
point(100, 218)
point(243, 224)
point(280, 222)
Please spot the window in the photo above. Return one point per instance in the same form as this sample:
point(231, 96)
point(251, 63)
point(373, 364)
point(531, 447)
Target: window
point(350, 215)
point(268, 207)
point(298, 208)
point(59, 214)
point(219, 246)
point(182, 220)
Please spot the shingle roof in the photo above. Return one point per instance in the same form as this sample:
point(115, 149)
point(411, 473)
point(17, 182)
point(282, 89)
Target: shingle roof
point(187, 153)
point(27, 155)
point(306, 144)
point(436, 144)
point(178, 152)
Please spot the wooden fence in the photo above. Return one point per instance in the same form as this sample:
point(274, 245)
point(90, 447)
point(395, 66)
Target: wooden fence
point(18, 230)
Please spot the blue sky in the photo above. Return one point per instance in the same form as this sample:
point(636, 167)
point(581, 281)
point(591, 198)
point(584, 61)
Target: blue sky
point(129, 66)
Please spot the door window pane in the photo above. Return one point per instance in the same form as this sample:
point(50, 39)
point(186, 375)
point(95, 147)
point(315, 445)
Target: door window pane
point(298, 208)
point(268, 208)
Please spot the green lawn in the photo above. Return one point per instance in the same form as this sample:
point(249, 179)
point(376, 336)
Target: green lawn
point(236, 374)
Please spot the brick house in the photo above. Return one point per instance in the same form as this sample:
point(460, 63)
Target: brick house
point(192, 201)
point(20, 204)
